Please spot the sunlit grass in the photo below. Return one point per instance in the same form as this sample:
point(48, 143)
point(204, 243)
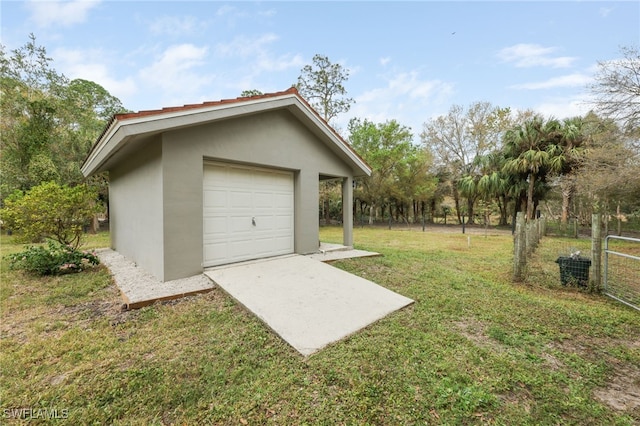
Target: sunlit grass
point(474, 348)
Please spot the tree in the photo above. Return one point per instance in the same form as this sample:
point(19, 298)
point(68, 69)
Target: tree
point(610, 167)
point(565, 159)
point(250, 93)
point(322, 85)
point(86, 109)
point(47, 122)
point(51, 211)
point(539, 148)
point(30, 90)
point(459, 138)
point(490, 183)
point(617, 89)
point(399, 168)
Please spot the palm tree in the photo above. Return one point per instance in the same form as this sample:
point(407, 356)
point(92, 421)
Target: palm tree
point(488, 183)
point(526, 147)
point(565, 159)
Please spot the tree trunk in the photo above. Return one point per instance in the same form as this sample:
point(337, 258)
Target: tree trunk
point(502, 204)
point(619, 218)
point(532, 182)
point(371, 213)
point(568, 188)
point(470, 203)
point(456, 200)
point(432, 208)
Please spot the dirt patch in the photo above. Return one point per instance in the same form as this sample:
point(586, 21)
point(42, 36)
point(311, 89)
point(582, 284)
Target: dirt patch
point(622, 392)
point(476, 331)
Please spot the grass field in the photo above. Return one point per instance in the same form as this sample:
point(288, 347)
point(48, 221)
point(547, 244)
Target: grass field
point(474, 348)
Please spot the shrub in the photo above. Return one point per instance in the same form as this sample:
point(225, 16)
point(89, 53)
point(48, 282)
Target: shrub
point(51, 211)
point(55, 259)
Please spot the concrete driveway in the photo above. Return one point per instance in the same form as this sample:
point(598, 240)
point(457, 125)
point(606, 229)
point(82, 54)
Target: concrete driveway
point(308, 303)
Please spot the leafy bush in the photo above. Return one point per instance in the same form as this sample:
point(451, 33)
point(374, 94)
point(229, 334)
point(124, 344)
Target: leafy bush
point(56, 259)
point(50, 210)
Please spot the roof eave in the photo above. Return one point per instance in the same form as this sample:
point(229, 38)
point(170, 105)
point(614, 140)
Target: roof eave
point(118, 131)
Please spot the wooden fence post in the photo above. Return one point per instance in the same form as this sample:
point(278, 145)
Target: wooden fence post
point(596, 252)
point(520, 248)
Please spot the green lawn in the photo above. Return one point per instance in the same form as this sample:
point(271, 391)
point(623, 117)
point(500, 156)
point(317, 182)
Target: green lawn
point(473, 349)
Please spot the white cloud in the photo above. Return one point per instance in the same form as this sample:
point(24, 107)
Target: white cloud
point(270, 13)
point(62, 13)
point(384, 61)
point(174, 26)
point(92, 65)
point(409, 84)
point(564, 107)
point(281, 63)
point(256, 51)
point(244, 46)
point(571, 80)
point(533, 55)
point(173, 70)
point(605, 11)
point(225, 10)
point(405, 98)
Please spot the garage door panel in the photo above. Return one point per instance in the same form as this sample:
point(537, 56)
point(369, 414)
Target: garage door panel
point(283, 222)
point(282, 202)
point(239, 199)
point(215, 250)
point(238, 249)
point(214, 198)
point(263, 200)
point(215, 225)
point(239, 224)
point(272, 246)
point(235, 196)
point(237, 177)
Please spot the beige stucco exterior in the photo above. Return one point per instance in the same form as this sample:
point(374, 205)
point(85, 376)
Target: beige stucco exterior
point(156, 173)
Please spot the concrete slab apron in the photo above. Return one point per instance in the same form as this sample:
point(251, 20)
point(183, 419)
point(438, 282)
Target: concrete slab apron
point(308, 303)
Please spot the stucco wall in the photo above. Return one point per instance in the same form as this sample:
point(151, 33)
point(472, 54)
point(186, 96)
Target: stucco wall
point(271, 139)
point(135, 208)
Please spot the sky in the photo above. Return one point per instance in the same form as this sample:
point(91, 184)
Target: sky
point(407, 61)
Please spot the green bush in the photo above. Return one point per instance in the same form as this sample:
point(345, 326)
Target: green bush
point(55, 259)
point(51, 211)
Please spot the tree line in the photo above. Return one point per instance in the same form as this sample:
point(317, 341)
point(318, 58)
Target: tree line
point(483, 159)
point(48, 122)
point(489, 160)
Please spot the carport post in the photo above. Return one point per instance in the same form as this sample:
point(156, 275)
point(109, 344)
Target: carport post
point(347, 214)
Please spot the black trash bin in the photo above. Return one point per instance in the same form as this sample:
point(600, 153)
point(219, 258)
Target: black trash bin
point(574, 270)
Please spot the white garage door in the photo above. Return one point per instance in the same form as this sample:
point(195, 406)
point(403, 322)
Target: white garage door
point(248, 213)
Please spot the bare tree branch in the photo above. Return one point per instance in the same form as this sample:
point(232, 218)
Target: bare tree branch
point(617, 89)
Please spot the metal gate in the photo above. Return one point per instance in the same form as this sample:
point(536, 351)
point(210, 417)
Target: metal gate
point(622, 269)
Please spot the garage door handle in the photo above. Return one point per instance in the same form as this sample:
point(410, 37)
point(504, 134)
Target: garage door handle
point(253, 221)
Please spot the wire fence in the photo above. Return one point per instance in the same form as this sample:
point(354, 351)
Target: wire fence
point(578, 260)
point(571, 259)
point(622, 269)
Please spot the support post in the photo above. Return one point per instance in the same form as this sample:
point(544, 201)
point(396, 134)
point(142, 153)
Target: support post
point(520, 248)
point(347, 215)
point(596, 252)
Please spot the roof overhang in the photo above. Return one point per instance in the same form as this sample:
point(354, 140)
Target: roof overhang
point(125, 130)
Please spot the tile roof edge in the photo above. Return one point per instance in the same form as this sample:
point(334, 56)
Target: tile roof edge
point(115, 119)
point(165, 110)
